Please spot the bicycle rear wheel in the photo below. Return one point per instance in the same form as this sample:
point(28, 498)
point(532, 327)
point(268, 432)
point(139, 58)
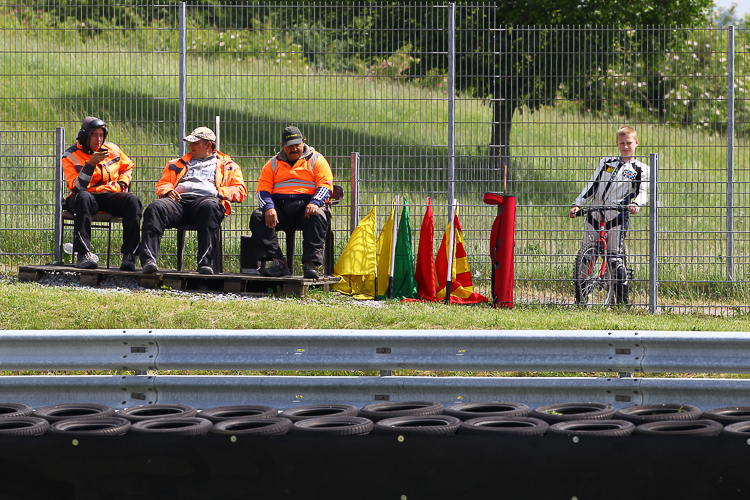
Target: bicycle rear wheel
point(590, 288)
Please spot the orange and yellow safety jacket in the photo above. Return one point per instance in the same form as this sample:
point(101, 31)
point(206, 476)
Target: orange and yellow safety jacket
point(113, 174)
point(310, 179)
point(228, 178)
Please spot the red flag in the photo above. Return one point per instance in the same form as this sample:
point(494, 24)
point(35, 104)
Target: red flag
point(462, 289)
point(425, 273)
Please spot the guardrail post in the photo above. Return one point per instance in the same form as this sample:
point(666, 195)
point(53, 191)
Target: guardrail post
point(653, 266)
point(730, 154)
point(59, 148)
point(183, 71)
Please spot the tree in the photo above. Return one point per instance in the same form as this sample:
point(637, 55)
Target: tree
point(510, 53)
point(554, 47)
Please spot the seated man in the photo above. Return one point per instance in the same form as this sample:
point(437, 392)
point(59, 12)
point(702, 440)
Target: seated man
point(292, 192)
point(195, 189)
point(98, 175)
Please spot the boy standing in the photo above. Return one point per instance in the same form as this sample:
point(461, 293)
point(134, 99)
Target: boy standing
point(623, 181)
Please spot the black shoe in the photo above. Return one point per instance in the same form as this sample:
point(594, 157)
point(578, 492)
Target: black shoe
point(311, 271)
point(128, 263)
point(205, 270)
point(89, 260)
point(277, 269)
point(149, 267)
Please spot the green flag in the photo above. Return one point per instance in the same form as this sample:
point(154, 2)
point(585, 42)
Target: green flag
point(404, 285)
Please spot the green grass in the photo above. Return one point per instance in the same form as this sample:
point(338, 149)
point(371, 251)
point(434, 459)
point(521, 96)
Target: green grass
point(26, 306)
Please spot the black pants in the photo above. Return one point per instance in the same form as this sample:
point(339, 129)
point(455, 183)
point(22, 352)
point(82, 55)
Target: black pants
point(125, 205)
point(205, 213)
point(265, 243)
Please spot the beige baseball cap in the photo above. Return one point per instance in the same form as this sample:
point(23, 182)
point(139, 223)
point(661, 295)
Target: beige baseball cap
point(201, 133)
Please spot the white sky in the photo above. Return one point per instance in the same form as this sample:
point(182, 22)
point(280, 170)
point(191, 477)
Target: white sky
point(743, 6)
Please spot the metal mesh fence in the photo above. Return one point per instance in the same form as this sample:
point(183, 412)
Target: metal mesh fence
point(438, 100)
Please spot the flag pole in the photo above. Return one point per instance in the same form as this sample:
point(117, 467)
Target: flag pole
point(393, 248)
point(375, 209)
point(448, 283)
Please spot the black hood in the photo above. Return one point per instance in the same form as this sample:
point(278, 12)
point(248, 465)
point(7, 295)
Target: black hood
point(90, 123)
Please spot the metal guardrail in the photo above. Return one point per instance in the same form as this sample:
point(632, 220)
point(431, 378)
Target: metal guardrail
point(286, 392)
point(366, 350)
point(452, 350)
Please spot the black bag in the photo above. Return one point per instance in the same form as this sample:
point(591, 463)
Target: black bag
point(293, 207)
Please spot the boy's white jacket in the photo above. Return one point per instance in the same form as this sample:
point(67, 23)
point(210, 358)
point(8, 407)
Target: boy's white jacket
point(615, 182)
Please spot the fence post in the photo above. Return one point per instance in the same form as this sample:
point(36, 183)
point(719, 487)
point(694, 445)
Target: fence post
point(451, 99)
point(217, 132)
point(653, 265)
point(59, 148)
point(354, 210)
point(183, 71)
point(730, 154)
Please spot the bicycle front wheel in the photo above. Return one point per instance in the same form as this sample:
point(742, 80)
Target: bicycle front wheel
point(590, 288)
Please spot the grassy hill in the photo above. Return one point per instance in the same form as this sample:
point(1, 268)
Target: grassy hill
point(54, 77)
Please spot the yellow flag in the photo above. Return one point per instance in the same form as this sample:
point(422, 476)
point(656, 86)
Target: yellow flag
point(385, 243)
point(356, 265)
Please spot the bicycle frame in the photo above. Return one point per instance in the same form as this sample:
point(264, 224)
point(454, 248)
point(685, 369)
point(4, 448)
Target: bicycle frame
point(588, 280)
point(603, 241)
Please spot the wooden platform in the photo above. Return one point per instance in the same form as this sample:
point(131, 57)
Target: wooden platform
point(189, 280)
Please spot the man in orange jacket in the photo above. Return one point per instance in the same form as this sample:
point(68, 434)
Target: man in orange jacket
point(293, 191)
point(98, 175)
point(195, 189)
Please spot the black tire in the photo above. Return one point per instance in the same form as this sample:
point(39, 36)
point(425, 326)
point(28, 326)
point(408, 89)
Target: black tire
point(23, 426)
point(106, 426)
point(738, 429)
point(12, 410)
point(380, 411)
point(55, 413)
point(728, 414)
point(221, 413)
point(430, 425)
point(563, 412)
point(681, 427)
point(506, 426)
point(334, 426)
point(468, 411)
point(589, 289)
point(316, 411)
point(611, 428)
point(273, 426)
point(641, 414)
point(176, 426)
point(150, 412)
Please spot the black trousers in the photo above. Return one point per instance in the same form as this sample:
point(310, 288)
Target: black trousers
point(205, 213)
point(125, 205)
point(265, 243)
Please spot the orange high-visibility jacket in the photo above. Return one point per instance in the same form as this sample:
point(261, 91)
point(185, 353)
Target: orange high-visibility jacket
point(115, 169)
point(308, 173)
point(228, 178)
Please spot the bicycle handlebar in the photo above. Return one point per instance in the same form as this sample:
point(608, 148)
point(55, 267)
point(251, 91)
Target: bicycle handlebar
point(601, 209)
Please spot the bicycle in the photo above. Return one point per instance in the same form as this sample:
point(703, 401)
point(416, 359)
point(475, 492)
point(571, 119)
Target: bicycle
point(594, 284)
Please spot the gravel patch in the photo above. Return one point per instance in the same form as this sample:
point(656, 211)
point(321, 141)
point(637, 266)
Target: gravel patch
point(116, 283)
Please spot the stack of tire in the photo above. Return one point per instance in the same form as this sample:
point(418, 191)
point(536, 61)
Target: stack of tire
point(394, 418)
